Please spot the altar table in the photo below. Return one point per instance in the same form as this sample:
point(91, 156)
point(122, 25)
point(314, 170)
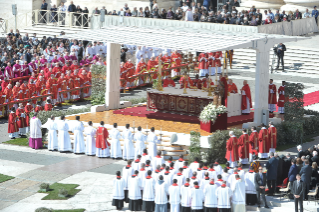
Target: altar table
point(172, 100)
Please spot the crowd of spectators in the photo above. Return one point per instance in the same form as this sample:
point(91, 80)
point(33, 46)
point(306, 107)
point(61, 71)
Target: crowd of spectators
point(191, 11)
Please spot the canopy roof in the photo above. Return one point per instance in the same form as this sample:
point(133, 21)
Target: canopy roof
point(186, 39)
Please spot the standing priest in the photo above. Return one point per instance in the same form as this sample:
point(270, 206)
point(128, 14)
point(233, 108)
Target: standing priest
point(102, 145)
point(232, 150)
point(263, 142)
point(272, 138)
point(282, 99)
point(245, 99)
point(272, 97)
point(243, 147)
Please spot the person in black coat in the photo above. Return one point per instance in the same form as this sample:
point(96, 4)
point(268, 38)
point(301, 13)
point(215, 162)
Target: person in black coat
point(286, 165)
point(80, 52)
point(260, 185)
point(280, 177)
point(297, 189)
point(123, 56)
point(314, 175)
point(28, 56)
point(272, 168)
point(44, 6)
point(315, 157)
point(300, 152)
point(306, 172)
point(293, 171)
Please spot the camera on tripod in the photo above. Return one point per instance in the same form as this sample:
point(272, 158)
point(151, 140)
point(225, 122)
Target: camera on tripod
point(275, 50)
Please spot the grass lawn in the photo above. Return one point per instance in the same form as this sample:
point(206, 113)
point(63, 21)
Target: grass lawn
point(309, 138)
point(4, 178)
point(54, 191)
point(18, 142)
point(71, 210)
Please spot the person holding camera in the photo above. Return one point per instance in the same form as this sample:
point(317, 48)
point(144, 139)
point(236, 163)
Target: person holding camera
point(281, 48)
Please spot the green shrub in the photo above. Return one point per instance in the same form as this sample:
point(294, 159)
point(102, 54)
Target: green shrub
point(63, 192)
point(44, 186)
point(194, 148)
point(43, 209)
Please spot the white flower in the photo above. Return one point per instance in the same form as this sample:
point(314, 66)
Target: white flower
point(211, 112)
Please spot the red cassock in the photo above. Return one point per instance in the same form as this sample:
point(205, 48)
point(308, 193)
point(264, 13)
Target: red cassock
point(12, 123)
point(232, 88)
point(77, 84)
point(188, 82)
point(62, 83)
point(217, 61)
point(272, 97)
point(168, 82)
point(253, 139)
point(243, 146)
point(202, 60)
point(177, 59)
point(65, 68)
point(21, 121)
point(123, 73)
point(28, 109)
point(57, 71)
point(232, 149)
point(151, 67)
point(204, 83)
point(167, 62)
point(197, 83)
point(16, 91)
point(282, 99)
point(74, 67)
point(2, 100)
point(48, 107)
point(40, 87)
point(130, 71)
point(210, 61)
point(38, 108)
point(84, 82)
point(141, 68)
point(8, 93)
point(272, 135)
point(246, 88)
point(263, 141)
point(101, 138)
point(23, 88)
point(52, 84)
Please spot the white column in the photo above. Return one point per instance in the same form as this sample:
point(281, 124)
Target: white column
point(261, 86)
point(112, 95)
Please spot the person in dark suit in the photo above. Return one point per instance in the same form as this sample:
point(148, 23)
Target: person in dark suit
point(293, 171)
point(306, 172)
point(281, 48)
point(123, 56)
point(297, 189)
point(297, 14)
point(272, 167)
point(80, 52)
point(300, 152)
point(286, 165)
point(44, 6)
point(260, 184)
point(280, 177)
point(28, 56)
point(315, 157)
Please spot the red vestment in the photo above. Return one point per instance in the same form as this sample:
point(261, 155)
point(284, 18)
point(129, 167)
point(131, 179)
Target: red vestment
point(9, 94)
point(204, 83)
point(166, 64)
point(210, 61)
point(62, 83)
point(243, 146)
point(28, 109)
point(272, 138)
point(272, 97)
point(197, 83)
point(130, 71)
point(2, 100)
point(57, 71)
point(32, 78)
point(141, 68)
point(74, 67)
point(16, 92)
point(217, 61)
point(202, 61)
point(151, 67)
point(263, 141)
point(101, 138)
point(168, 82)
point(245, 88)
point(253, 139)
point(66, 68)
point(84, 82)
point(232, 88)
point(25, 91)
point(48, 107)
point(21, 121)
point(232, 149)
point(40, 87)
point(123, 73)
point(282, 99)
point(188, 82)
point(12, 123)
point(77, 84)
point(176, 61)
point(38, 108)
point(4, 85)
point(52, 85)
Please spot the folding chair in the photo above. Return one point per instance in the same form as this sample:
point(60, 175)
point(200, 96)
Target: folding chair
point(312, 194)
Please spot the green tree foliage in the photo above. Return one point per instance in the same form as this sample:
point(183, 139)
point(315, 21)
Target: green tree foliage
point(98, 84)
point(194, 148)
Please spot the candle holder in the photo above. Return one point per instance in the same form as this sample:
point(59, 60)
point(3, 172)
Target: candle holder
point(146, 132)
point(133, 129)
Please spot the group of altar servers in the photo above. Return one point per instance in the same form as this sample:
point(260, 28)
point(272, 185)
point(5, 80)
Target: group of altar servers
point(151, 184)
point(246, 146)
point(97, 139)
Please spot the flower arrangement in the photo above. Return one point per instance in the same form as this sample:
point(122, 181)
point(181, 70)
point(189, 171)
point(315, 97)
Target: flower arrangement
point(211, 112)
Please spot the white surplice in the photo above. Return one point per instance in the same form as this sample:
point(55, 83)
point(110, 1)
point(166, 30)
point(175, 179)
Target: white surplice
point(157, 160)
point(35, 128)
point(224, 194)
point(161, 192)
point(127, 172)
point(145, 158)
point(149, 189)
point(197, 198)
point(250, 183)
point(118, 188)
point(134, 188)
point(116, 151)
point(90, 132)
point(174, 198)
point(231, 180)
point(139, 138)
point(136, 164)
point(152, 141)
point(218, 169)
point(186, 196)
point(210, 195)
point(64, 137)
point(168, 178)
point(194, 166)
point(212, 174)
point(180, 179)
point(77, 129)
point(142, 175)
point(239, 194)
point(52, 135)
point(128, 150)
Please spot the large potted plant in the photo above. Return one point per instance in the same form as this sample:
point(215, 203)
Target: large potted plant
point(213, 118)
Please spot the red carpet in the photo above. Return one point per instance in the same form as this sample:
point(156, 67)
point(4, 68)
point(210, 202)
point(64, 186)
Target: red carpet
point(142, 112)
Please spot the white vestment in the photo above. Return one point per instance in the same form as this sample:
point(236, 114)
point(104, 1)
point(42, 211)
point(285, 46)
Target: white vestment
point(157, 160)
point(127, 172)
point(116, 151)
point(35, 128)
point(197, 198)
point(210, 196)
point(64, 137)
point(77, 129)
point(204, 182)
point(149, 189)
point(239, 196)
point(212, 174)
point(152, 141)
point(52, 135)
point(168, 178)
point(250, 183)
point(194, 166)
point(145, 158)
point(90, 132)
point(139, 138)
point(128, 150)
point(224, 194)
point(142, 175)
point(136, 165)
point(186, 198)
point(161, 192)
point(179, 163)
point(231, 180)
point(174, 198)
point(180, 179)
point(118, 188)
point(134, 188)
point(218, 168)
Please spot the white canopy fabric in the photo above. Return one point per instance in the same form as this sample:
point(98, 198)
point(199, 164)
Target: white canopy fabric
point(186, 39)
